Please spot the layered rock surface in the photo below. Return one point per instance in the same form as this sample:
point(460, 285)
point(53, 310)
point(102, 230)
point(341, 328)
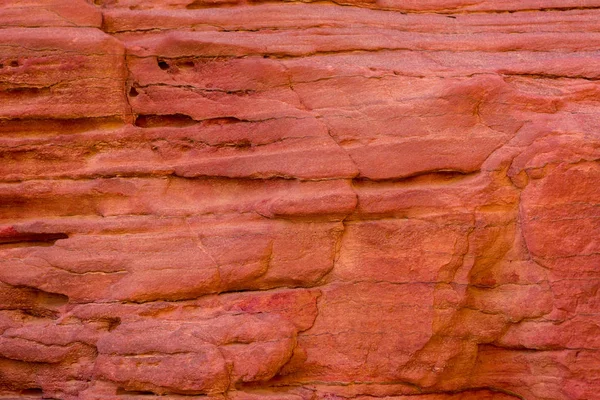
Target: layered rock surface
point(261, 200)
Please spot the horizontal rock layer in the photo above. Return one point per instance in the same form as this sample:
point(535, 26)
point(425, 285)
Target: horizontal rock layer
point(262, 200)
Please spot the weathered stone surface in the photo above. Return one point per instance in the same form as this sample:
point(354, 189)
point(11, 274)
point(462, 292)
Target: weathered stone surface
point(199, 357)
point(198, 258)
point(176, 197)
point(269, 149)
point(447, 6)
point(38, 13)
point(259, 200)
point(61, 73)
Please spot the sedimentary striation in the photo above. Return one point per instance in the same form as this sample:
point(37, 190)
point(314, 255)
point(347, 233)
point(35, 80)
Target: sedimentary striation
point(257, 200)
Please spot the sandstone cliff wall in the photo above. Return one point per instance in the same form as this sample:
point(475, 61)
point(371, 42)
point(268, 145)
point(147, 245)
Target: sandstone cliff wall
point(240, 200)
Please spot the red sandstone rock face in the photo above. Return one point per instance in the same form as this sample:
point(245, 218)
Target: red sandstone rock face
point(299, 201)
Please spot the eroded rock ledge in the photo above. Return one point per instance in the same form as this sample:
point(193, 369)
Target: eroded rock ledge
point(262, 200)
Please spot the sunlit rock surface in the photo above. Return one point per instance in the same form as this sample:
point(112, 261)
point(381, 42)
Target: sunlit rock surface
point(254, 200)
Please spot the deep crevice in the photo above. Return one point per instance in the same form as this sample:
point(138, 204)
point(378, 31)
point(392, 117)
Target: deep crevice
point(25, 239)
point(25, 91)
point(160, 121)
point(162, 64)
point(32, 392)
point(181, 120)
point(112, 323)
point(43, 301)
point(122, 391)
point(426, 177)
point(20, 126)
point(133, 92)
point(547, 76)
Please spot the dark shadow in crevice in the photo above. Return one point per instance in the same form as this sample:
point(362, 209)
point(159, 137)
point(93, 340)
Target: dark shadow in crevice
point(122, 391)
point(26, 239)
point(37, 126)
point(32, 392)
point(159, 121)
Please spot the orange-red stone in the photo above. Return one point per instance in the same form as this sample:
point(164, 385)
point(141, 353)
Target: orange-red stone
point(259, 200)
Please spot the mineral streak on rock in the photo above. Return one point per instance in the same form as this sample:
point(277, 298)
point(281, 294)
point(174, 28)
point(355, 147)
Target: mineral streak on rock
point(300, 200)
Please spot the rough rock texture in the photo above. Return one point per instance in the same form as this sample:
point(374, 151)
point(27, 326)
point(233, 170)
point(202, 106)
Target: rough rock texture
point(254, 200)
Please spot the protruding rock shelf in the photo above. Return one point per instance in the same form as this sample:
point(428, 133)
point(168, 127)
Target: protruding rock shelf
point(286, 200)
